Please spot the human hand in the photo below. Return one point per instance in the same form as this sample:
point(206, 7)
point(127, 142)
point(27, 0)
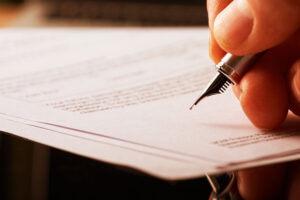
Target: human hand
point(243, 27)
point(271, 87)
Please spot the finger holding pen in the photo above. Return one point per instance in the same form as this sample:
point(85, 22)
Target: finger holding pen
point(271, 87)
point(250, 26)
point(244, 27)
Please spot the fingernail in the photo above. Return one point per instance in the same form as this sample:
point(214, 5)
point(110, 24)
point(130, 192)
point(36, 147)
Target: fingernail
point(234, 24)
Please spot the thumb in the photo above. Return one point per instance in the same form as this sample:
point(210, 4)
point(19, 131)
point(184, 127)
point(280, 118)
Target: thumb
point(250, 26)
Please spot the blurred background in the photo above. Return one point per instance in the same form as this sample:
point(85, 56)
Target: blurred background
point(109, 12)
point(32, 171)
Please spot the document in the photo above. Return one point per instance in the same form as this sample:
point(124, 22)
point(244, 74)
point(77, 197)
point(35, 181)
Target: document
point(123, 96)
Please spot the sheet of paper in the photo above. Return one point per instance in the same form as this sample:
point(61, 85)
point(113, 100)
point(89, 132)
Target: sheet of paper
point(132, 88)
point(161, 166)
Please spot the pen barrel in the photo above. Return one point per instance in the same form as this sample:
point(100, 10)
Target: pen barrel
point(234, 67)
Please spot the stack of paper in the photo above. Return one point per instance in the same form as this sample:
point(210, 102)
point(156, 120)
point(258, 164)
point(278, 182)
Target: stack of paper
point(123, 96)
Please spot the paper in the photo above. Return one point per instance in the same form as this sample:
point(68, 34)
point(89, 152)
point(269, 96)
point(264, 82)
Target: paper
point(129, 90)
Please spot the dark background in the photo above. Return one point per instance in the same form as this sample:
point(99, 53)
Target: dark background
point(74, 177)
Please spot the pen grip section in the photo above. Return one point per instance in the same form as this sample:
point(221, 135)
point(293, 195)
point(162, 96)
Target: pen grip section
point(234, 67)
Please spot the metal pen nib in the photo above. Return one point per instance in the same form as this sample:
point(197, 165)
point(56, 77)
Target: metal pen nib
point(217, 85)
point(230, 70)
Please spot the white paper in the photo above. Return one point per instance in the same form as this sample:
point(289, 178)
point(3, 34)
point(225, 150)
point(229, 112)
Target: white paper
point(132, 88)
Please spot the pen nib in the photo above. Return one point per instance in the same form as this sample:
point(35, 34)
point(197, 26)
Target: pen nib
point(217, 85)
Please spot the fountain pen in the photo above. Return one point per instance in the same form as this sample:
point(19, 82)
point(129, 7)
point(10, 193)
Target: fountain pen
point(230, 70)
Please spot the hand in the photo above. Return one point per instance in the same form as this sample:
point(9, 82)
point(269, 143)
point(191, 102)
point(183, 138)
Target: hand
point(272, 86)
point(243, 27)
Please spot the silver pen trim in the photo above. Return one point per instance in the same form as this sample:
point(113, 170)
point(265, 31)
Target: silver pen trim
point(230, 71)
